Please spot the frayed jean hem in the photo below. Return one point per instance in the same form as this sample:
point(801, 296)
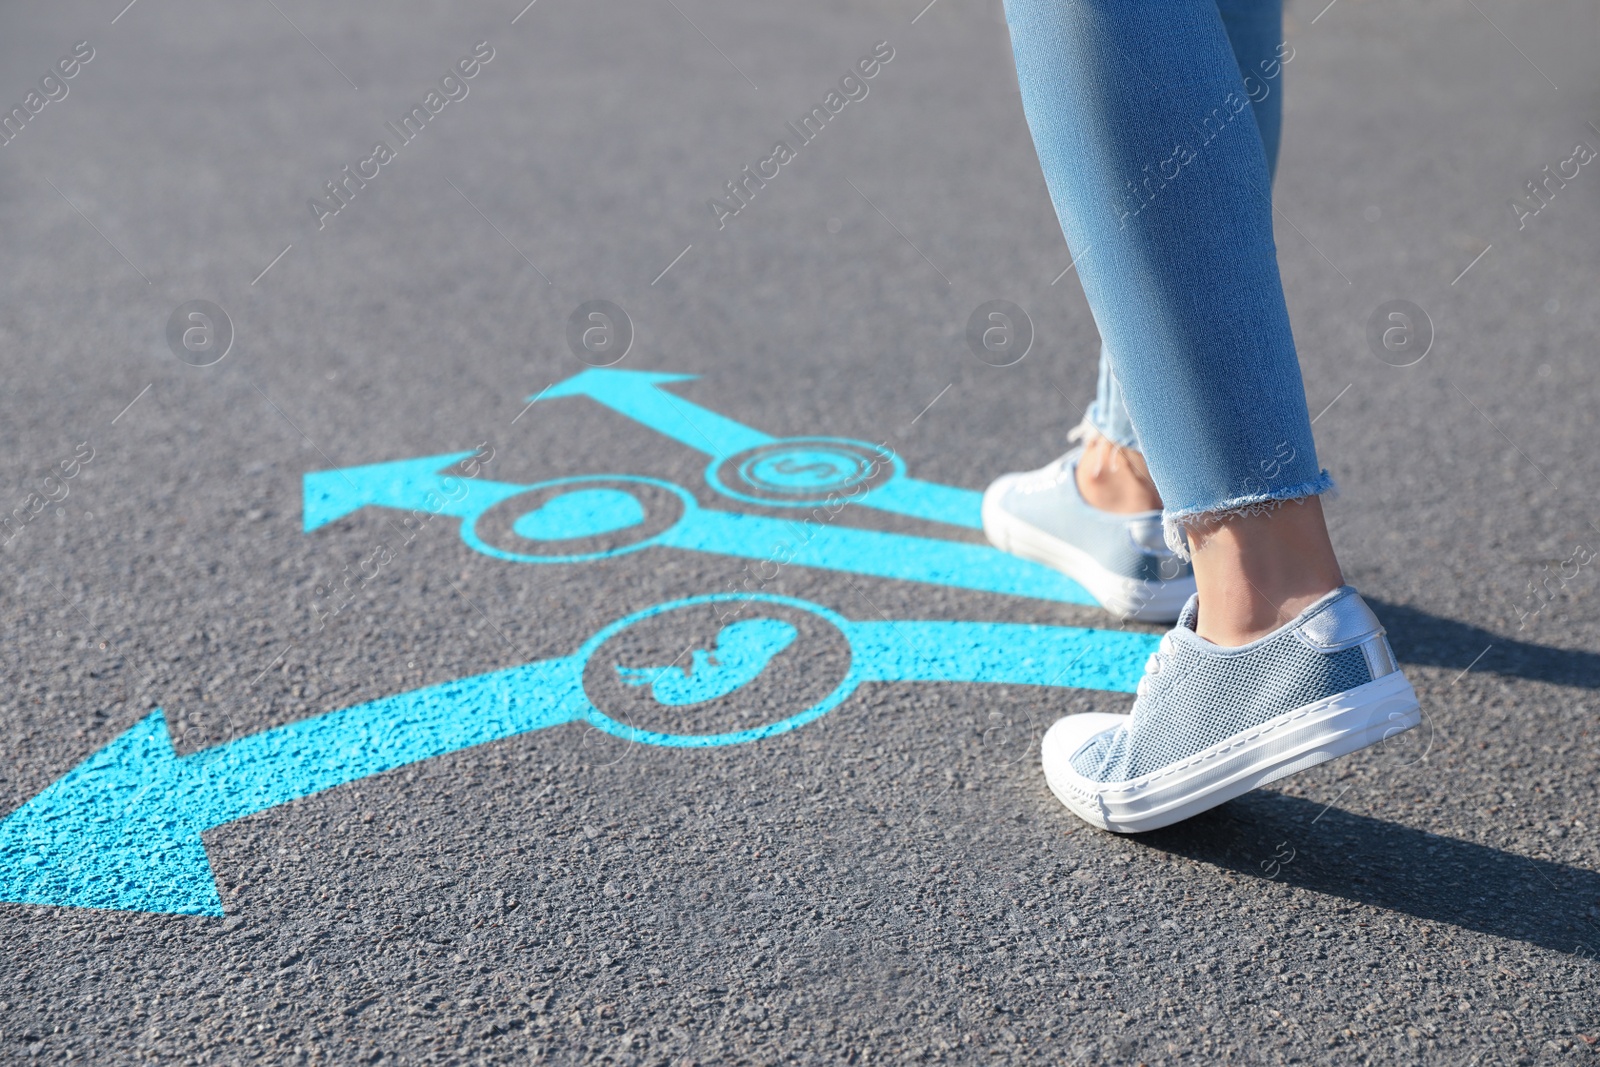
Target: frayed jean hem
point(1175, 523)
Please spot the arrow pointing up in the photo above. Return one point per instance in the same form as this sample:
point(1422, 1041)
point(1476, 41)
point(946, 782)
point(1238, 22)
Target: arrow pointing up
point(638, 395)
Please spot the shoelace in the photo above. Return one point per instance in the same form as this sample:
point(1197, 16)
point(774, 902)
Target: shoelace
point(1153, 665)
point(1053, 475)
point(1044, 478)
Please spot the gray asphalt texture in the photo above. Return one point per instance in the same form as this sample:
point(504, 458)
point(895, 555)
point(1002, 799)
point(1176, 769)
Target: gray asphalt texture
point(893, 882)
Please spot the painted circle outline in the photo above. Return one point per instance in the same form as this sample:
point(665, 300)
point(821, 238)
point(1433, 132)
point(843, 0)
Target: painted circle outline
point(897, 470)
point(469, 526)
point(601, 721)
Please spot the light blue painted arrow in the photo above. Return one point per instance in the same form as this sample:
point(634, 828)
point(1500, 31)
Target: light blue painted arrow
point(638, 395)
point(641, 397)
point(417, 485)
point(123, 829)
point(878, 553)
point(409, 484)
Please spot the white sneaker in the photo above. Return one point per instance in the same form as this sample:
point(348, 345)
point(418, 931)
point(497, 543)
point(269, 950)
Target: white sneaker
point(1122, 560)
point(1211, 723)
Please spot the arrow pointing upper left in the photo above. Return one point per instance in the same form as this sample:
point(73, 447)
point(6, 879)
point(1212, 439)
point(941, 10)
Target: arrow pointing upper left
point(641, 397)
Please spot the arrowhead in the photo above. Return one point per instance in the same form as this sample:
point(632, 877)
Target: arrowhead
point(121, 830)
point(597, 381)
point(330, 495)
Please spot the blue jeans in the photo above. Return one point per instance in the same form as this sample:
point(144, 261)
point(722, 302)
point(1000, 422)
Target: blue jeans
point(1156, 124)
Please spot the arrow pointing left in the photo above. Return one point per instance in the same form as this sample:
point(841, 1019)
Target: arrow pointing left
point(418, 484)
point(122, 830)
point(424, 485)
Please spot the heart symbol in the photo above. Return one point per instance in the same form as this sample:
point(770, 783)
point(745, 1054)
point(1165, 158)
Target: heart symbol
point(580, 513)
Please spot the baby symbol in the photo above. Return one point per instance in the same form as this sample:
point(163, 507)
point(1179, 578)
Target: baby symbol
point(743, 651)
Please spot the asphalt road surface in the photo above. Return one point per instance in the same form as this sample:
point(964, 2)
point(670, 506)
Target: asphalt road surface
point(487, 871)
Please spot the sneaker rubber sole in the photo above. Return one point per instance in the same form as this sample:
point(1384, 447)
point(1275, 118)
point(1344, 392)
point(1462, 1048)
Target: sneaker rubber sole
point(1309, 735)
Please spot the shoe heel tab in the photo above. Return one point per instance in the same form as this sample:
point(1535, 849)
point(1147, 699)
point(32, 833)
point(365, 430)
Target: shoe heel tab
point(1380, 657)
point(1343, 622)
point(1147, 535)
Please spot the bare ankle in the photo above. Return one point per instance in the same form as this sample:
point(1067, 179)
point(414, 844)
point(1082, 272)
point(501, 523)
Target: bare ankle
point(1115, 479)
point(1254, 573)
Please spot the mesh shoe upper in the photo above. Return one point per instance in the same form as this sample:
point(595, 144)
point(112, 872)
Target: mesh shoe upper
point(1128, 545)
point(1196, 694)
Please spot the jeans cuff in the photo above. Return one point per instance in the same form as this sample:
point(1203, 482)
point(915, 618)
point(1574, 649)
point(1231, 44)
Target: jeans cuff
point(1175, 523)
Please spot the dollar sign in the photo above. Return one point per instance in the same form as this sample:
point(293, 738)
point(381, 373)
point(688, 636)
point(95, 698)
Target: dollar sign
point(794, 466)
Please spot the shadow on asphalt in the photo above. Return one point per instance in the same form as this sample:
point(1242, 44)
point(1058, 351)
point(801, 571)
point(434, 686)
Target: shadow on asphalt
point(1435, 641)
point(1440, 879)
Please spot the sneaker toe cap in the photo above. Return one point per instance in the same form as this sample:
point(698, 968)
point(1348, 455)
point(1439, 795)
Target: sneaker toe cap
point(1061, 742)
point(1068, 735)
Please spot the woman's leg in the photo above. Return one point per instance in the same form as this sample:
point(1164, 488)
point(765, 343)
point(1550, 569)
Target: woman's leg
point(1160, 175)
point(1162, 181)
point(1113, 476)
